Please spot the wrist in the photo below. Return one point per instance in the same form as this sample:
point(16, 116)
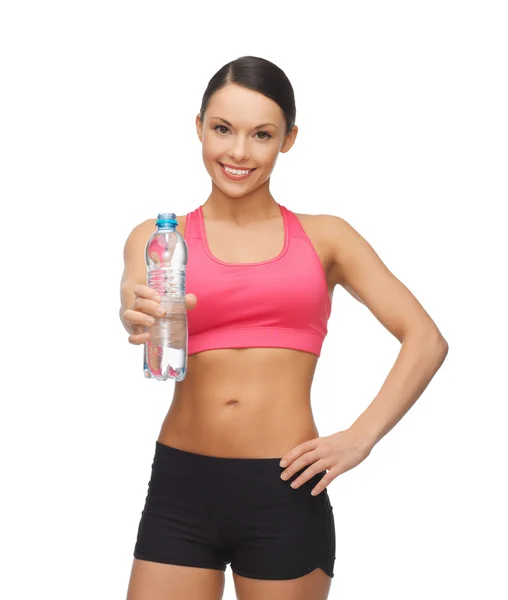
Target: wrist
point(365, 435)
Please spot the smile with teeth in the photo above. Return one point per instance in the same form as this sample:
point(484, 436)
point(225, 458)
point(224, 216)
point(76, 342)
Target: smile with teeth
point(236, 172)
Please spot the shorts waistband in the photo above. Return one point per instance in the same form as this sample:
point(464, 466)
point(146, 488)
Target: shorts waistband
point(176, 452)
point(241, 475)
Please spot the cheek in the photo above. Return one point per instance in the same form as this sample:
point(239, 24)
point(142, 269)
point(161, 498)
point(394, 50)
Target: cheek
point(213, 151)
point(264, 154)
point(214, 141)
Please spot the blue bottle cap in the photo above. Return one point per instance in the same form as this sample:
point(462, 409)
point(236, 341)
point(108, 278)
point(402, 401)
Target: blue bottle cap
point(166, 219)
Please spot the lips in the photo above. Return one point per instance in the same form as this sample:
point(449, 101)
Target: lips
point(235, 167)
point(233, 176)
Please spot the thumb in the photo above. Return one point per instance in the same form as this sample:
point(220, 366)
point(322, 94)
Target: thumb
point(190, 301)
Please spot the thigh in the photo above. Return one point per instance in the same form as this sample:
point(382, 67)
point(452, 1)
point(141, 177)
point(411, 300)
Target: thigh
point(158, 581)
point(313, 586)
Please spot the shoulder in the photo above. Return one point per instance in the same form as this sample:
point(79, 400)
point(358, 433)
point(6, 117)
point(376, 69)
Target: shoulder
point(322, 220)
point(345, 247)
point(331, 229)
point(325, 223)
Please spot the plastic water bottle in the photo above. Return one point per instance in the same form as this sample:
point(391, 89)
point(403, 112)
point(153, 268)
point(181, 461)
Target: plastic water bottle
point(165, 352)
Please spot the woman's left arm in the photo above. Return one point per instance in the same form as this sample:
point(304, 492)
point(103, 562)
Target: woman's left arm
point(358, 268)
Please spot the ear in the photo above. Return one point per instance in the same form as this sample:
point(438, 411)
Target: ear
point(289, 140)
point(199, 128)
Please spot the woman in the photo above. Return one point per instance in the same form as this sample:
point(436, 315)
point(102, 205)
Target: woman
point(261, 280)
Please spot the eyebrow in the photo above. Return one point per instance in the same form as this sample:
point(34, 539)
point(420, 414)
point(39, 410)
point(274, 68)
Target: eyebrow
point(257, 126)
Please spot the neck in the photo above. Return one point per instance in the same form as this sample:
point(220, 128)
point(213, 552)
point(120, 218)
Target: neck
point(259, 205)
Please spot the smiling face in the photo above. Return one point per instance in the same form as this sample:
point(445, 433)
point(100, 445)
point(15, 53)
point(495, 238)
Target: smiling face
point(242, 133)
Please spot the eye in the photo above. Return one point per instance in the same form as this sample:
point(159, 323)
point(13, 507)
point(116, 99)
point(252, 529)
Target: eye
point(221, 129)
point(265, 135)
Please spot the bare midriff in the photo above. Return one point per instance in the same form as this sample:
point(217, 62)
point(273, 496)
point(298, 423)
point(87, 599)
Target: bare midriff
point(242, 403)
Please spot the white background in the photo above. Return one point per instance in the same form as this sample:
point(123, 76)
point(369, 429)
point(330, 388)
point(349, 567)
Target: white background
point(402, 110)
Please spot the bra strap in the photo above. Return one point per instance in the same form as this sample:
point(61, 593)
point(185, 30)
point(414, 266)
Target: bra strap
point(295, 228)
point(192, 229)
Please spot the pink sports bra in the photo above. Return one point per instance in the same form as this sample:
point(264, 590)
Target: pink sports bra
point(278, 303)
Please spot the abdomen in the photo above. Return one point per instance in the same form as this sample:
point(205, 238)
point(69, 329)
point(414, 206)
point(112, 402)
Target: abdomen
point(251, 403)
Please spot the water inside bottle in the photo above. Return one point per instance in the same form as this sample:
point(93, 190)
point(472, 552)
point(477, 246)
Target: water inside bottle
point(165, 352)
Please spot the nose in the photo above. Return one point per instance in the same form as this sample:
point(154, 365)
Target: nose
point(239, 151)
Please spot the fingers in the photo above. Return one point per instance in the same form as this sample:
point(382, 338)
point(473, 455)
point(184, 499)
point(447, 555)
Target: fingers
point(190, 301)
point(138, 319)
point(145, 309)
point(149, 299)
point(298, 464)
point(143, 291)
point(151, 308)
point(139, 338)
point(308, 474)
point(138, 323)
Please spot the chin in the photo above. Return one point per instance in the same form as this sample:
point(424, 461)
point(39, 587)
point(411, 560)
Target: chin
point(232, 191)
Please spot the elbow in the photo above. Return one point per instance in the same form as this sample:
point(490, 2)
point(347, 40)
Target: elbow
point(443, 348)
point(438, 346)
point(439, 342)
point(431, 338)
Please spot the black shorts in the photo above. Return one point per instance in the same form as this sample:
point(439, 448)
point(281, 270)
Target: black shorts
point(208, 511)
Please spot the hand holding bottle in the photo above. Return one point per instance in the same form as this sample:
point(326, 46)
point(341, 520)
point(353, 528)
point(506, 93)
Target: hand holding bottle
point(143, 312)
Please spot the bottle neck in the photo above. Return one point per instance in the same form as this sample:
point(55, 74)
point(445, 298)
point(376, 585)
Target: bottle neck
point(166, 221)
